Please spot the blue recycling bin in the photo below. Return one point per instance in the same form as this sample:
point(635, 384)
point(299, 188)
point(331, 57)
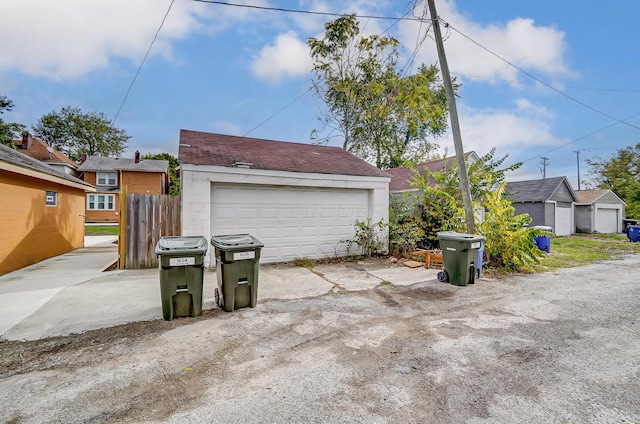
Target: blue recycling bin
point(544, 242)
point(633, 233)
point(479, 260)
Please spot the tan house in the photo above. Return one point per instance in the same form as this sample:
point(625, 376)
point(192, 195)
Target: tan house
point(38, 149)
point(41, 211)
point(110, 175)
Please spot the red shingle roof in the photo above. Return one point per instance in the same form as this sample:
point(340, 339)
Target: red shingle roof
point(589, 196)
point(199, 148)
point(401, 177)
point(39, 150)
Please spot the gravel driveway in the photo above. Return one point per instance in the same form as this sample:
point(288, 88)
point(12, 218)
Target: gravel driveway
point(560, 347)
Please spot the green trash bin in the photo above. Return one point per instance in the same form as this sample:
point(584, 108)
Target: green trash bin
point(237, 264)
point(459, 256)
point(181, 261)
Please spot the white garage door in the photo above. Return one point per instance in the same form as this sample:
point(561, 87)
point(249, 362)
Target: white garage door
point(292, 222)
point(564, 221)
point(606, 220)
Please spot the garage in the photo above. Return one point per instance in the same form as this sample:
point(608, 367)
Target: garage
point(300, 200)
point(599, 211)
point(292, 222)
point(548, 201)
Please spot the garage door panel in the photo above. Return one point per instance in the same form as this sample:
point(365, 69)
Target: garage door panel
point(606, 220)
point(291, 222)
point(564, 221)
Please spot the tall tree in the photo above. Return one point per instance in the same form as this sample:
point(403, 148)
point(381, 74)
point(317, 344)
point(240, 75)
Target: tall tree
point(382, 116)
point(621, 174)
point(174, 183)
point(74, 132)
point(9, 131)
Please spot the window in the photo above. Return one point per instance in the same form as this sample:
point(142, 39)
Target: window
point(51, 198)
point(107, 178)
point(100, 202)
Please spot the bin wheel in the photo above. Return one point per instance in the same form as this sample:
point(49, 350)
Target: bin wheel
point(216, 294)
point(443, 276)
point(472, 274)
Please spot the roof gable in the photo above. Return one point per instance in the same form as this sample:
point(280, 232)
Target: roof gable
point(200, 148)
point(12, 157)
point(103, 163)
point(540, 190)
point(41, 151)
point(592, 196)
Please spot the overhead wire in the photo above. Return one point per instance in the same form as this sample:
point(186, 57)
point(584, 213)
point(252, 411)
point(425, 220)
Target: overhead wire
point(580, 138)
point(135, 77)
point(538, 79)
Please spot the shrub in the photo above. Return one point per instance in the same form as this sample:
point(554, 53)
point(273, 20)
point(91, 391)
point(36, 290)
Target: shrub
point(509, 245)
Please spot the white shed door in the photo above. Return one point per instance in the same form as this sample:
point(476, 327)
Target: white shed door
point(564, 221)
point(606, 220)
point(292, 222)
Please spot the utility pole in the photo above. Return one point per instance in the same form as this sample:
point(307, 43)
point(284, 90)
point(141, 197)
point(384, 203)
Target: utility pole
point(544, 162)
point(455, 125)
point(578, 161)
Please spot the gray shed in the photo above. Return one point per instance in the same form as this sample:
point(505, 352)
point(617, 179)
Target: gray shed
point(599, 211)
point(549, 202)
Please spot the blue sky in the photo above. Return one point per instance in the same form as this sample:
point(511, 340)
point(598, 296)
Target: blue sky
point(226, 69)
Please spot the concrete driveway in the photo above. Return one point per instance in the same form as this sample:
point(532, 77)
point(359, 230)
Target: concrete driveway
point(71, 293)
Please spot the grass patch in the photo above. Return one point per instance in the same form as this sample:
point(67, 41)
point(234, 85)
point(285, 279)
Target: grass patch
point(101, 231)
point(583, 249)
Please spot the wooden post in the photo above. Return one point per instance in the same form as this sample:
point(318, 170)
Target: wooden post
point(122, 229)
point(455, 125)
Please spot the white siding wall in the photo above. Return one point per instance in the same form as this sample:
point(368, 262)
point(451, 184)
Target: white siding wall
point(197, 182)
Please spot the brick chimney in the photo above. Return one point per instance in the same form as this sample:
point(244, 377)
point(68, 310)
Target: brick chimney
point(84, 157)
point(137, 156)
point(27, 139)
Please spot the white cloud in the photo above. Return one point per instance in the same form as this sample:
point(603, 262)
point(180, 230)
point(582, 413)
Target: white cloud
point(226, 127)
point(535, 48)
point(70, 38)
point(528, 125)
point(288, 56)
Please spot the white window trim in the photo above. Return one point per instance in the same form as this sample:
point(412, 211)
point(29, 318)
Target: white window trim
point(106, 202)
point(106, 179)
point(55, 199)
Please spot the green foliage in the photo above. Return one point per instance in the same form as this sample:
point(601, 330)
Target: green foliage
point(383, 116)
point(621, 174)
point(405, 226)
point(174, 183)
point(9, 131)
point(367, 238)
point(510, 245)
point(441, 196)
point(74, 132)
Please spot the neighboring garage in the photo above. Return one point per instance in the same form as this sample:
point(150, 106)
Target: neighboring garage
point(549, 202)
point(599, 211)
point(300, 200)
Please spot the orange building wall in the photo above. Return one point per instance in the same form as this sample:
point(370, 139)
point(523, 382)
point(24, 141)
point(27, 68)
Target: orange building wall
point(136, 182)
point(30, 231)
point(142, 182)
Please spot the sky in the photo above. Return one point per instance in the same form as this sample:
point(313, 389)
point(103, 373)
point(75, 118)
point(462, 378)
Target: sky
point(538, 79)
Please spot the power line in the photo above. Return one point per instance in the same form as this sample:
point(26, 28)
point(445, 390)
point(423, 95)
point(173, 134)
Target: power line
point(622, 90)
point(280, 110)
point(142, 63)
point(307, 12)
point(580, 138)
point(539, 80)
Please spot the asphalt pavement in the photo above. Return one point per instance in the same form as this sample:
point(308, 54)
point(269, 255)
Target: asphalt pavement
point(73, 293)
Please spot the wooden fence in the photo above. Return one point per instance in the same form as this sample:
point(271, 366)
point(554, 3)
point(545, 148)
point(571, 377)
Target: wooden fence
point(144, 220)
